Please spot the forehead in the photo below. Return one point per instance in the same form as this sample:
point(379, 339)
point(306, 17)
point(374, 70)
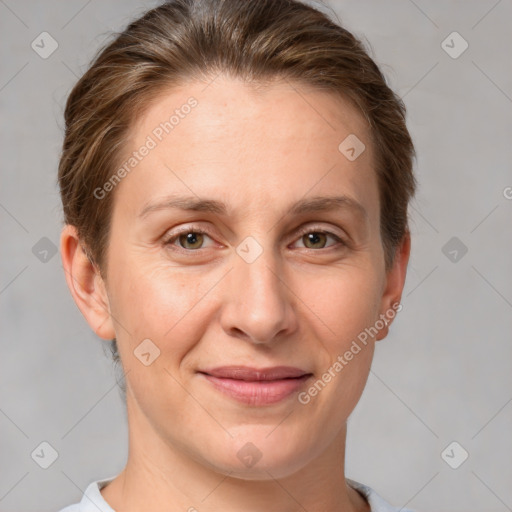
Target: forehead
point(288, 111)
point(251, 144)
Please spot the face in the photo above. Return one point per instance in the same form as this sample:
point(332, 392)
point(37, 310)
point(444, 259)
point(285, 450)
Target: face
point(246, 238)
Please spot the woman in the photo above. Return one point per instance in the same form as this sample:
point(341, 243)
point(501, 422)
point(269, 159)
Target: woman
point(235, 179)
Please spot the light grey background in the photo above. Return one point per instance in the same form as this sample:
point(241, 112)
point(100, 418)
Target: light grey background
point(442, 375)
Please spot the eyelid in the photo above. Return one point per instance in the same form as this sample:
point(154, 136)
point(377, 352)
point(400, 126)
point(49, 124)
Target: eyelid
point(326, 231)
point(171, 238)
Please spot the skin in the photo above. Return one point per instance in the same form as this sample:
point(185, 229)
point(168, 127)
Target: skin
point(300, 303)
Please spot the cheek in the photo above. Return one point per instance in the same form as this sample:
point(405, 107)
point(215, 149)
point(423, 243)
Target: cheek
point(158, 300)
point(343, 307)
point(166, 294)
point(163, 305)
point(341, 302)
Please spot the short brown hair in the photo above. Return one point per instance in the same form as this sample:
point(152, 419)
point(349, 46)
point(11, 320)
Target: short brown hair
point(257, 40)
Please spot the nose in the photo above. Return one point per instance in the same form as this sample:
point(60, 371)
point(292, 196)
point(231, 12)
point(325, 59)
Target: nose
point(258, 302)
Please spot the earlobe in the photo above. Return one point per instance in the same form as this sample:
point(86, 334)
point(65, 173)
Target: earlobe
point(85, 284)
point(394, 285)
point(384, 331)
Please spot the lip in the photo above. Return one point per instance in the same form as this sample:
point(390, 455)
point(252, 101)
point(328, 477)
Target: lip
point(257, 386)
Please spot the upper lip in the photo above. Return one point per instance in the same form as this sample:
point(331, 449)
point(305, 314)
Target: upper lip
point(255, 374)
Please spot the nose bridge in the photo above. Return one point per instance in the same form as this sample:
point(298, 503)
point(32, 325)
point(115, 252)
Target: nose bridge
point(258, 304)
point(259, 272)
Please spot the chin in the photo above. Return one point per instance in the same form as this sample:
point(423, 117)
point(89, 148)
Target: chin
point(256, 455)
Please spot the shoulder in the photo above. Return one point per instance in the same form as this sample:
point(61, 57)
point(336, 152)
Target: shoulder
point(71, 508)
point(376, 502)
point(92, 499)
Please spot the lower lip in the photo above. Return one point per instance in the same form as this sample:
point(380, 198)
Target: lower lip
point(258, 392)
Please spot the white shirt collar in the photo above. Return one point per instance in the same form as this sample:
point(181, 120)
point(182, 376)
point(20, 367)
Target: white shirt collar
point(93, 501)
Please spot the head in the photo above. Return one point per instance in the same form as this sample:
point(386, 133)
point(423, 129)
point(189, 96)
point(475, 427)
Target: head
point(235, 179)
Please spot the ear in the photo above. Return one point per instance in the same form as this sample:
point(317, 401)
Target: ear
point(86, 284)
point(394, 285)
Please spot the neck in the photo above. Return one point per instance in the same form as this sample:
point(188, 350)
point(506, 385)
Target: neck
point(160, 476)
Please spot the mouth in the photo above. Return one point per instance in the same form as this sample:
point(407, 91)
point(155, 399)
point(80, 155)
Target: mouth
point(254, 386)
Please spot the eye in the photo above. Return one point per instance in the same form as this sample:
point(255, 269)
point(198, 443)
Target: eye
point(317, 239)
point(190, 239)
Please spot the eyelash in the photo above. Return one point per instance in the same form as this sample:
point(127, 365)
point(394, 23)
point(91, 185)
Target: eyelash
point(194, 229)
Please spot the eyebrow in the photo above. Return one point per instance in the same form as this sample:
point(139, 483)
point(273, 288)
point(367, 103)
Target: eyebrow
point(307, 205)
